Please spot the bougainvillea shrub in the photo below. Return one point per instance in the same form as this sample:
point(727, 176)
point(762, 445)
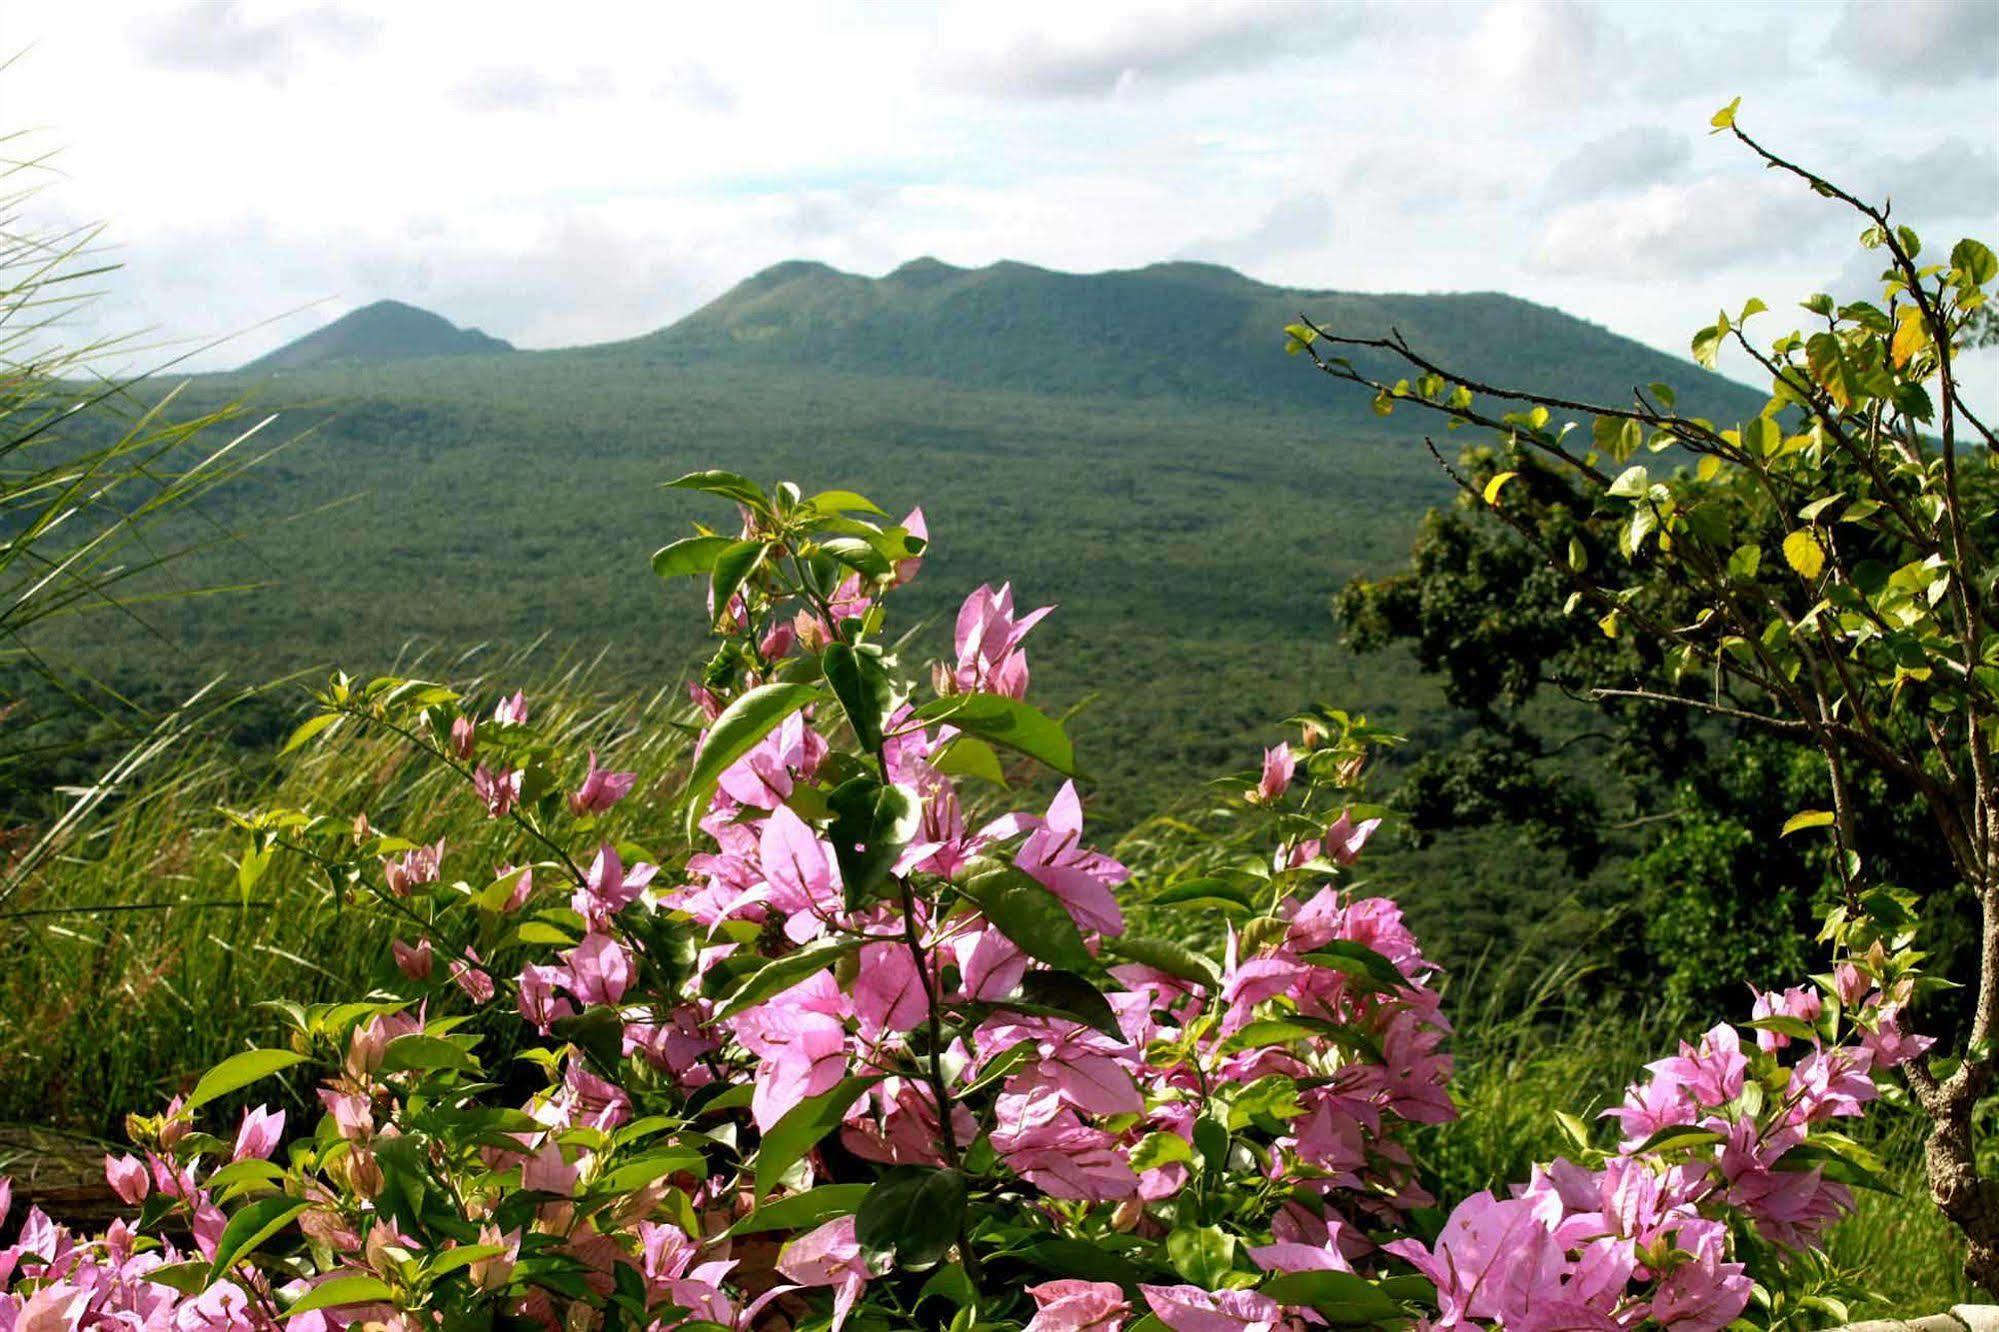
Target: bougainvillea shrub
point(846, 1033)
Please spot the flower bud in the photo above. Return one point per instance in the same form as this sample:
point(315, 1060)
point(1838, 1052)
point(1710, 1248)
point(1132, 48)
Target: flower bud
point(493, 1273)
point(128, 1177)
point(364, 1175)
point(1128, 1214)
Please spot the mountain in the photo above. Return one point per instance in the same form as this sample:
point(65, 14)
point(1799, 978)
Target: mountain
point(1134, 446)
point(1191, 331)
point(384, 331)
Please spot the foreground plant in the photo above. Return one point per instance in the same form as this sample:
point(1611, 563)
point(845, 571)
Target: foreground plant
point(850, 1044)
point(1822, 572)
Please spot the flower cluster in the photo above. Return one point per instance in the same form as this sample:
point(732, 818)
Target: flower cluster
point(858, 1043)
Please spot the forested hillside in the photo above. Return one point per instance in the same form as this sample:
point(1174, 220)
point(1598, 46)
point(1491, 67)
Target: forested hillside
point(1188, 495)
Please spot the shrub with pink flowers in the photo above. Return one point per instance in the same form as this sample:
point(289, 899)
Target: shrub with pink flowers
point(848, 1033)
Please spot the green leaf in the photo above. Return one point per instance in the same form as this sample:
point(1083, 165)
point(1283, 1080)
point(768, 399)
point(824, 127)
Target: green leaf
point(802, 1211)
point(1785, 1025)
point(1804, 554)
point(690, 555)
point(1975, 261)
point(860, 555)
point(1006, 721)
point(1082, 1258)
point(238, 1070)
point(1677, 1137)
point(1175, 959)
point(1161, 1149)
point(249, 1228)
point(1339, 1297)
point(1358, 960)
point(872, 823)
point(1829, 366)
point(969, 756)
point(1806, 818)
point(1206, 891)
point(461, 1255)
point(1031, 916)
point(310, 727)
point(861, 683)
point(780, 974)
point(422, 1052)
point(341, 1290)
point(843, 501)
point(801, 1128)
point(1631, 483)
point(1067, 993)
point(1205, 1255)
point(912, 1212)
point(734, 566)
point(736, 732)
point(726, 484)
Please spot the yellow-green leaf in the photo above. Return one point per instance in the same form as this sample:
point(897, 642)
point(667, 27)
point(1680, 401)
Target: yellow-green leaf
point(1725, 118)
point(1911, 336)
point(1804, 554)
point(1806, 818)
point(1498, 483)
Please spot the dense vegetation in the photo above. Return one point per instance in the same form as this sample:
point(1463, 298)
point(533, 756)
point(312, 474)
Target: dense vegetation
point(563, 1083)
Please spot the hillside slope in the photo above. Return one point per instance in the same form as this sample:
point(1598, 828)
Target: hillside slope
point(374, 334)
point(1197, 332)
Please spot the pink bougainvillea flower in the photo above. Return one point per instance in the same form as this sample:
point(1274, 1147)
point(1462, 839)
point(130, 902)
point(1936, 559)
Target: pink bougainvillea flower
point(257, 1136)
point(764, 777)
point(599, 970)
point(800, 1040)
point(1054, 855)
point(498, 791)
point(128, 1177)
point(609, 887)
point(798, 871)
point(539, 1003)
point(414, 868)
point(1710, 1072)
point(353, 1118)
point(1044, 1142)
point(464, 737)
point(547, 1172)
point(512, 711)
point(601, 789)
point(916, 526)
point(1493, 1260)
point(412, 962)
point(1795, 1002)
point(1278, 766)
point(828, 1256)
point(1078, 1306)
point(471, 978)
point(990, 659)
point(1344, 838)
point(1191, 1309)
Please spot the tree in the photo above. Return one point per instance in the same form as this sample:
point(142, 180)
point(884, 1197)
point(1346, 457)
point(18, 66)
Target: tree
point(1819, 573)
point(1675, 803)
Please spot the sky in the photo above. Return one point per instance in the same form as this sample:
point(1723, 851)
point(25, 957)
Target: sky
point(584, 172)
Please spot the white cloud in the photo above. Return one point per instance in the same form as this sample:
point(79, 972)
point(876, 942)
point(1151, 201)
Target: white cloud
point(592, 179)
point(1158, 49)
point(1668, 230)
point(1899, 43)
point(221, 37)
point(1636, 156)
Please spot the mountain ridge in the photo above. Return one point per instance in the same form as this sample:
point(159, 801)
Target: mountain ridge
point(1177, 329)
point(381, 331)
